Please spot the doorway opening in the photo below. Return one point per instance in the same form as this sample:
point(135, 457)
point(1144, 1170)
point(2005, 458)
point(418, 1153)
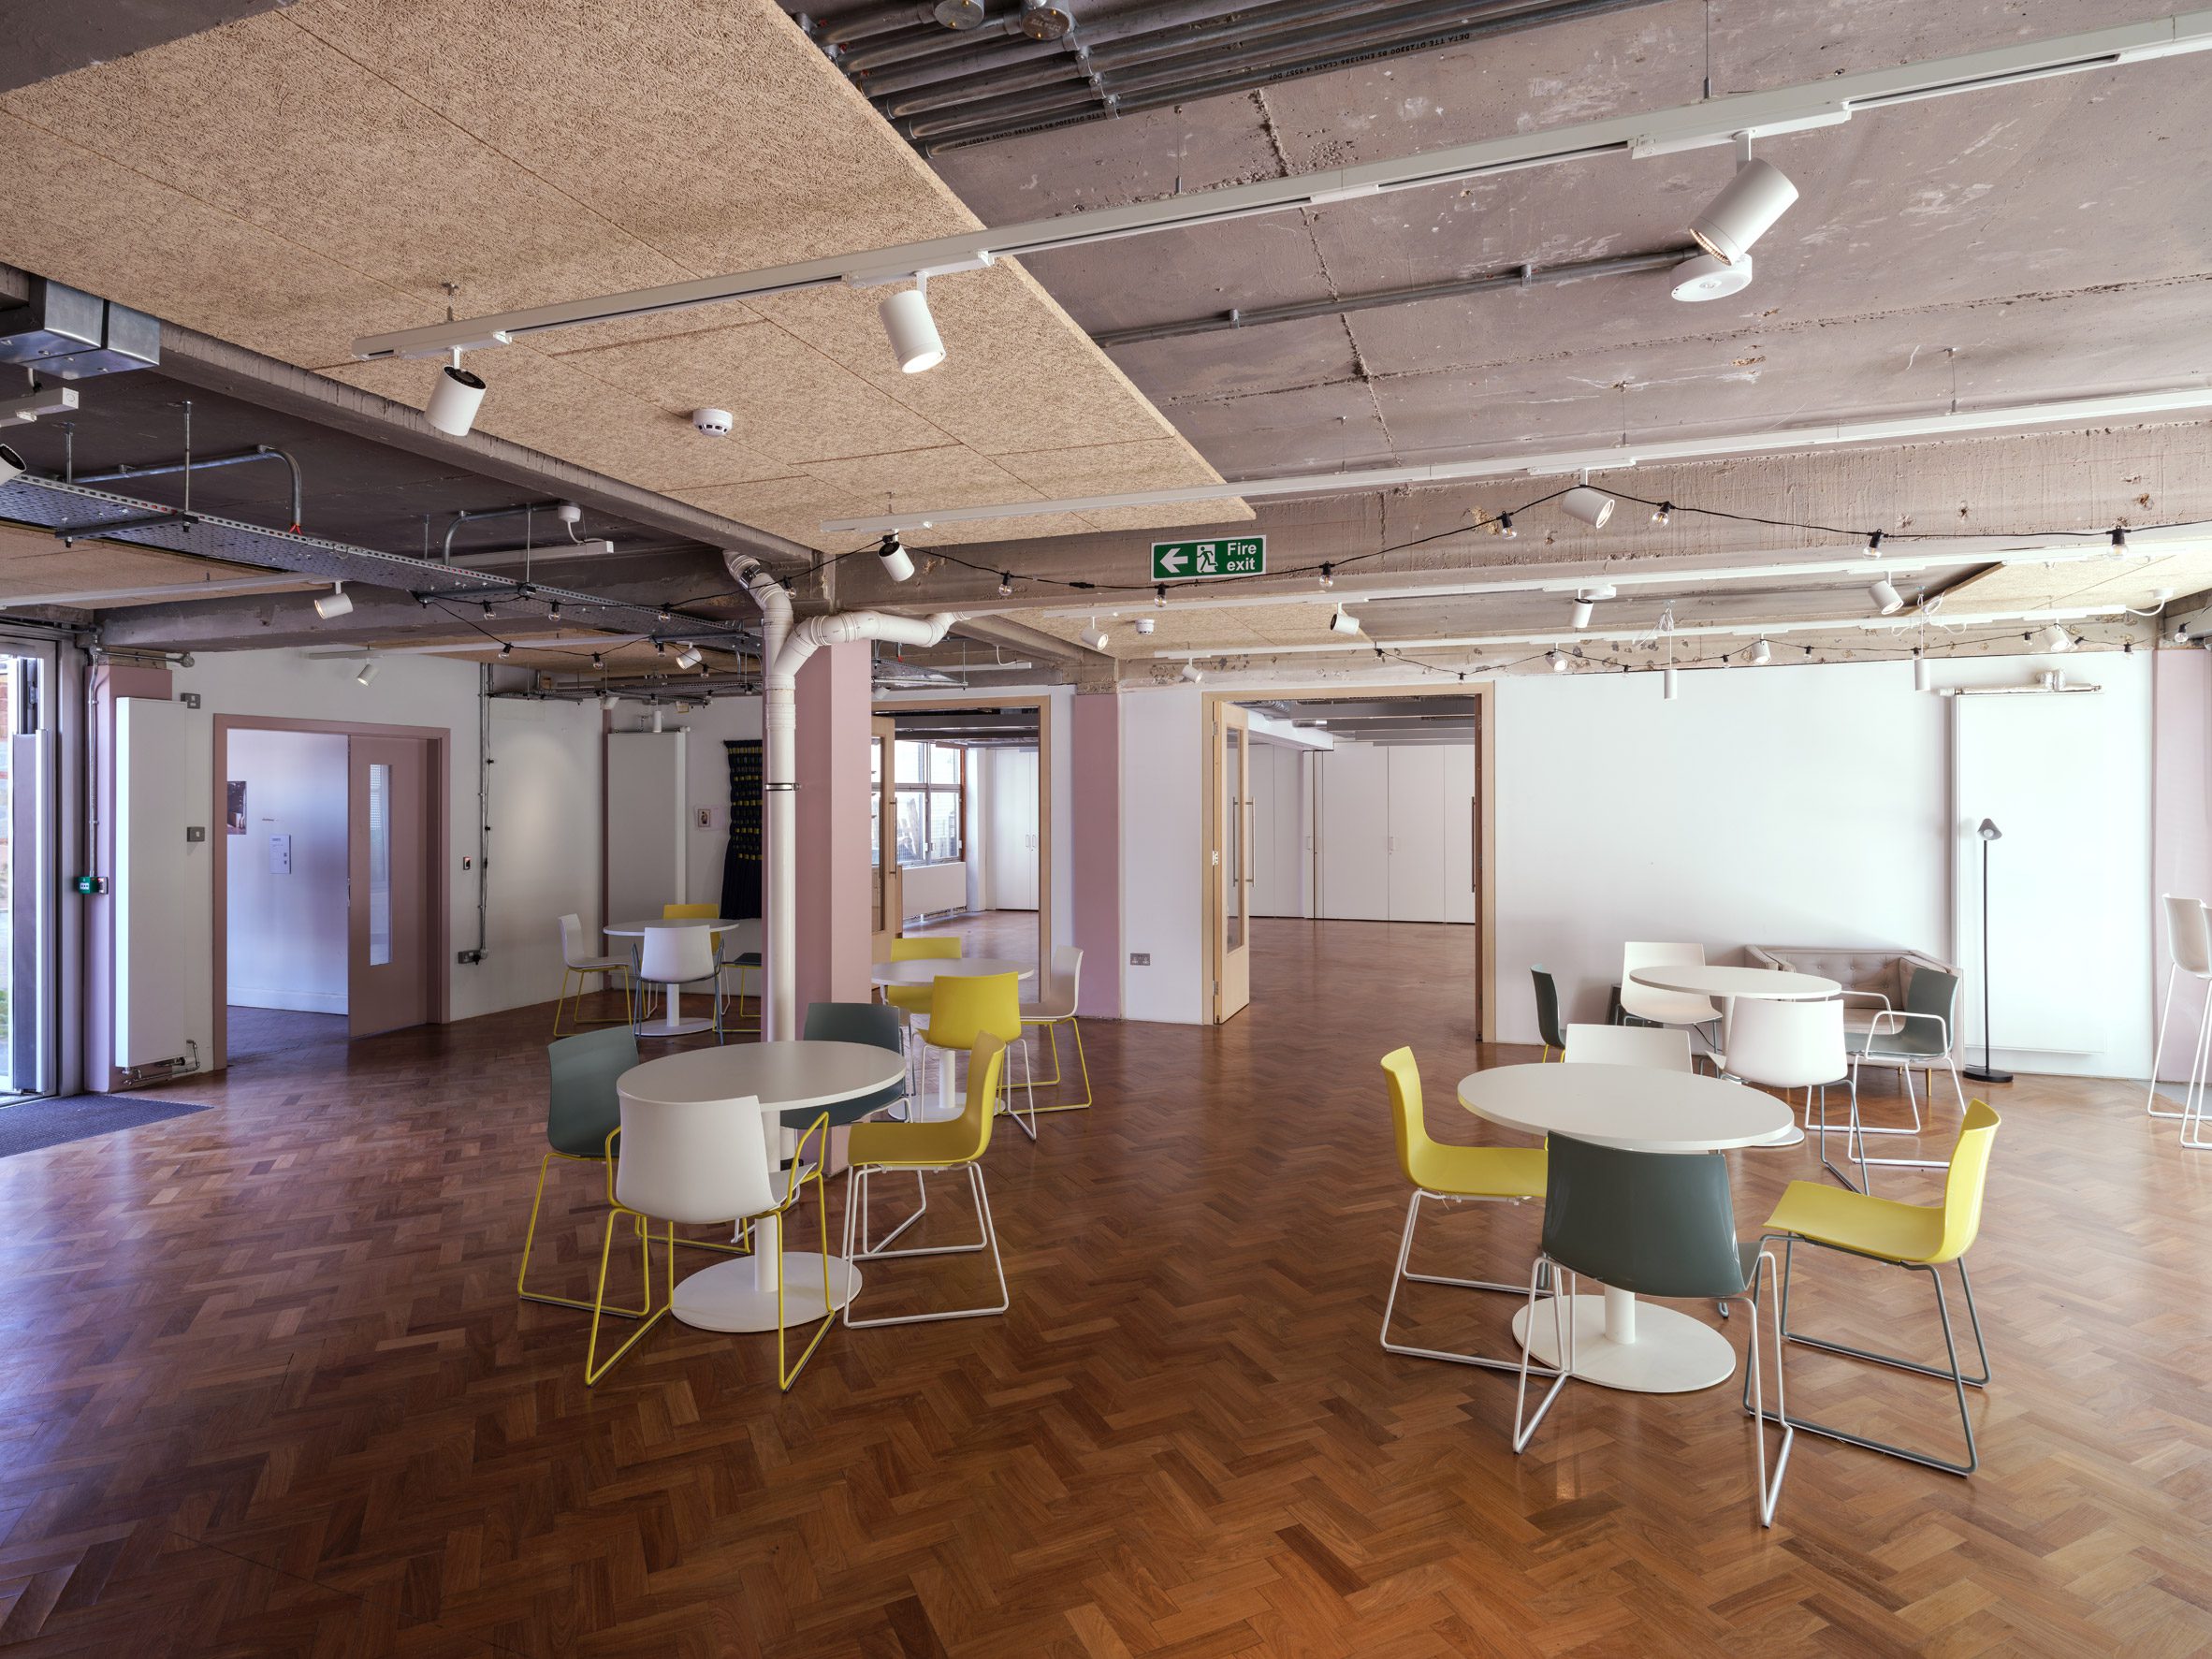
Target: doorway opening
point(331, 905)
point(966, 825)
point(1349, 831)
point(29, 1027)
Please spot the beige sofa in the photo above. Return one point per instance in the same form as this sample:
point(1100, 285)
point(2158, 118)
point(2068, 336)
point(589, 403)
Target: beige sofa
point(1855, 970)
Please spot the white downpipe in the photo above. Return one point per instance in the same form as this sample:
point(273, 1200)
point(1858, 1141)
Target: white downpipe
point(785, 648)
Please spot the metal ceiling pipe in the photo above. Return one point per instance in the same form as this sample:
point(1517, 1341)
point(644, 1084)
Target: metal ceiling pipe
point(259, 452)
point(963, 134)
point(862, 25)
point(907, 47)
point(1002, 57)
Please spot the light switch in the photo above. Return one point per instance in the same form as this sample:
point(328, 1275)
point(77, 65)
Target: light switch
point(706, 818)
point(280, 855)
point(195, 832)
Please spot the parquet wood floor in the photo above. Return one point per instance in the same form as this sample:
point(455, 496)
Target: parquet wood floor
point(267, 1392)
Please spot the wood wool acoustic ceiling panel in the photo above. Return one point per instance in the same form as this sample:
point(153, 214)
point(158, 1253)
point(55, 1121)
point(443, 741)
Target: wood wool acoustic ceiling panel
point(296, 178)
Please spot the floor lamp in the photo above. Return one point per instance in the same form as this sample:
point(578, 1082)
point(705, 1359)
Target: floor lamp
point(1986, 1073)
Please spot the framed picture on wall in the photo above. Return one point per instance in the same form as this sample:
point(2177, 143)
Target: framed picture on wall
point(235, 814)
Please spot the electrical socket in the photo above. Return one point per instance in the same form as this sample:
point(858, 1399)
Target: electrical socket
point(1140, 958)
point(469, 958)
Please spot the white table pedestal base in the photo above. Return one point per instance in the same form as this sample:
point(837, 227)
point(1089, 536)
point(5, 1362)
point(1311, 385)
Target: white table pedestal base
point(728, 1296)
point(1642, 1348)
point(673, 1024)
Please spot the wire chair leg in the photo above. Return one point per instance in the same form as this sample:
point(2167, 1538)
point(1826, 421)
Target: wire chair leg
point(2158, 1051)
point(1564, 1338)
point(1401, 1276)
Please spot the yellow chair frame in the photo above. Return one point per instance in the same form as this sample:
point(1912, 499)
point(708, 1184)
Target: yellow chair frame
point(742, 1246)
point(1052, 1038)
point(1960, 1218)
point(575, 1003)
point(786, 1374)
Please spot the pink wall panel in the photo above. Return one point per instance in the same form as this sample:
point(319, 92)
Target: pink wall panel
point(836, 912)
point(2181, 824)
point(1095, 852)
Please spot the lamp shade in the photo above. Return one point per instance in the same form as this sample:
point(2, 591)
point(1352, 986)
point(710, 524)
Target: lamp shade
point(1989, 832)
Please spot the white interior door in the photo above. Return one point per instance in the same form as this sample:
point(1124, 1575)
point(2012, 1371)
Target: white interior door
point(1352, 824)
point(1415, 833)
point(1013, 829)
point(644, 824)
point(1460, 829)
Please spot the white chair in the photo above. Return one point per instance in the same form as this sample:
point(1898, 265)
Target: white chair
point(577, 964)
point(1796, 1045)
point(681, 956)
point(1629, 1045)
point(1055, 1007)
point(705, 1163)
point(1664, 1007)
point(2188, 950)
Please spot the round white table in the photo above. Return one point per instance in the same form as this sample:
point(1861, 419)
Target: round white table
point(926, 971)
point(1620, 1344)
point(1771, 984)
point(671, 1022)
point(740, 1294)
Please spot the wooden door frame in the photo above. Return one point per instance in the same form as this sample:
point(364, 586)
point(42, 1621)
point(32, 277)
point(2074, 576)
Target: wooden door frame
point(1217, 791)
point(437, 936)
point(1486, 751)
point(1042, 704)
point(890, 891)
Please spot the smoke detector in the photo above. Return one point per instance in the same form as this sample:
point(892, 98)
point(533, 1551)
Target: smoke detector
point(1145, 624)
point(712, 423)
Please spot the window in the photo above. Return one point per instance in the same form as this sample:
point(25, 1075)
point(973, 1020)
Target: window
point(931, 789)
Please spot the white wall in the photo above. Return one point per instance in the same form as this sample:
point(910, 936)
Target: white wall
point(707, 785)
point(1282, 873)
point(544, 807)
point(1162, 847)
point(287, 934)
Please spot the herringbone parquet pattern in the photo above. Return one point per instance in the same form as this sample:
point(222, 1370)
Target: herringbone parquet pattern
point(267, 1391)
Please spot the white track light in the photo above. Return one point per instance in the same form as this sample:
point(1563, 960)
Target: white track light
point(1744, 212)
point(1761, 654)
point(1591, 506)
point(1667, 682)
point(688, 657)
point(1558, 661)
point(1887, 600)
point(368, 672)
point(897, 564)
point(454, 398)
point(1707, 278)
point(11, 465)
point(1192, 673)
point(334, 604)
point(1584, 610)
point(608, 702)
point(1919, 669)
point(1342, 621)
point(1095, 636)
point(1586, 599)
point(2054, 638)
point(914, 340)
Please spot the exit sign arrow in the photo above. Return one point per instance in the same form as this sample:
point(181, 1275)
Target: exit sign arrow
point(1171, 563)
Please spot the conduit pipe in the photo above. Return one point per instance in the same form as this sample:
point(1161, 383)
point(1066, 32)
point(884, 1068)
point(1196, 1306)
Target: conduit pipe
point(785, 646)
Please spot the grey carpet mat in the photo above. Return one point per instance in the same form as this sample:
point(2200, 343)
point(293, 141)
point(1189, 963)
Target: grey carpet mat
point(35, 1123)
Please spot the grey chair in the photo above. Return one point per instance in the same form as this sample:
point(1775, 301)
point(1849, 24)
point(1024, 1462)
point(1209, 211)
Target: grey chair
point(1547, 1026)
point(583, 1108)
point(1655, 1224)
point(877, 1023)
point(1918, 1034)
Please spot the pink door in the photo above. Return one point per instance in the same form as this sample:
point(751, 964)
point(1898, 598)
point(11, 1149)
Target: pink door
point(387, 867)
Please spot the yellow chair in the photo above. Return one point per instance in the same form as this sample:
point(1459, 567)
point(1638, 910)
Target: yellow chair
point(875, 1147)
point(966, 1008)
point(1451, 1174)
point(1918, 1237)
point(578, 965)
point(915, 999)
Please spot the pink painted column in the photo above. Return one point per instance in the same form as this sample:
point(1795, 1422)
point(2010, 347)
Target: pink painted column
point(2180, 829)
point(836, 913)
point(1095, 850)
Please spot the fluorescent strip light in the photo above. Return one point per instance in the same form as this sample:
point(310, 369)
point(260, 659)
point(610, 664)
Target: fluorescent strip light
point(2084, 410)
point(1666, 132)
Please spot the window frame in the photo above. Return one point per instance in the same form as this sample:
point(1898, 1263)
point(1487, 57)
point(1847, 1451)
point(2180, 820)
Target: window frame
point(929, 790)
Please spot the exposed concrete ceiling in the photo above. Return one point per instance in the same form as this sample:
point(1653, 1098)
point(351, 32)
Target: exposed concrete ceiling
point(319, 171)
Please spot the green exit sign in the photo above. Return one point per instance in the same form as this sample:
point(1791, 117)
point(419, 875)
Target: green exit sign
point(1236, 556)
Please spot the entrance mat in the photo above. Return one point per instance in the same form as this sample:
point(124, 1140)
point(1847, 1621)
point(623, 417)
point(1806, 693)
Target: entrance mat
point(35, 1123)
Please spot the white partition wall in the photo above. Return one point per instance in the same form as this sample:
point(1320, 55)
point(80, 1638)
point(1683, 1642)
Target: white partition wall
point(1352, 833)
point(1392, 832)
point(645, 823)
point(160, 879)
point(1282, 861)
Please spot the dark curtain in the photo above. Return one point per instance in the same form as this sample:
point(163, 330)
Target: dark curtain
point(741, 858)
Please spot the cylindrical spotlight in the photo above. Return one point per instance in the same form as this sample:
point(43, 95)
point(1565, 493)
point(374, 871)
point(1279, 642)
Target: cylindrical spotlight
point(1667, 682)
point(1584, 610)
point(1744, 212)
point(11, 465)
point(688, 657)
point(914, 340)
point(1557, 660)
point(368, 672)
point(1761, 654)
point(1919, 670)
point(1192, 673)
point(1342, 621)
point(456, 396)
point(1591, 506)
point(334, 604)
point(2054, 638)
point(1095, 636)
point(1887, 600)
point(897, 565)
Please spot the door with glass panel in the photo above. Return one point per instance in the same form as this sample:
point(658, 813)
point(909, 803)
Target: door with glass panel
point(388, 884)
point(27, 1052)
point(883, 834)
point(1229, 861)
